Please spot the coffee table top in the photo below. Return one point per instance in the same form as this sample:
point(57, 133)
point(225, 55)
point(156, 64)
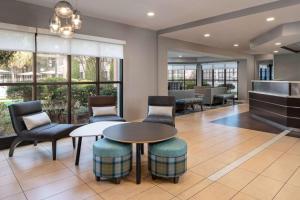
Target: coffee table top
point(93, 129)
point(140, 132)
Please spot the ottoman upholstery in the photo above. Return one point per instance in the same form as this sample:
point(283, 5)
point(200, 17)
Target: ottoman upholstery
point(112, 160)
point(168, 159)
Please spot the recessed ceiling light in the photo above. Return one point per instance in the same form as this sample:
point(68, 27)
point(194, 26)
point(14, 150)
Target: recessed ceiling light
point(278, 43)
point(180, 56)
point(236, 45)
point(206, 35)
point(276, 51)
point(270, 19)
point(150, 14)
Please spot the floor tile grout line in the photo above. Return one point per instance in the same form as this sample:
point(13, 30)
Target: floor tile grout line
point(213, 157)
point(246, 157)
point(9, 164)
point(260, 174)
point(285, 183)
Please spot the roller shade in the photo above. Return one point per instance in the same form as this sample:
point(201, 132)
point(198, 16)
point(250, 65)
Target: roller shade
point(16, 41)
point(111, 50)
point(84, 48)
point(52, 44)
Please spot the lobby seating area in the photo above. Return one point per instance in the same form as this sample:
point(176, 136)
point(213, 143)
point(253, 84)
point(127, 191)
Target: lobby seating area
point(149, 100)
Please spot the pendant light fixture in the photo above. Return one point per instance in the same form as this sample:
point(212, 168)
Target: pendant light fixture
point(65, 20)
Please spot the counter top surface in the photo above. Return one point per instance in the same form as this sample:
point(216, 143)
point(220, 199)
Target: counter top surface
point(274, 94)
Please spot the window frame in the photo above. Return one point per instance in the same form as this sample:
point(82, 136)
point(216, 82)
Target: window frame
point(5, 141)
point(184, 79)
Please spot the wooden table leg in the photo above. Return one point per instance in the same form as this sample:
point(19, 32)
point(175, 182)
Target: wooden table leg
point(138, 163)
point(78, 150)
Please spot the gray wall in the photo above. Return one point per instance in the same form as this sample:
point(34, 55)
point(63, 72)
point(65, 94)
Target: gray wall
point(140, 52)
point(287, 67)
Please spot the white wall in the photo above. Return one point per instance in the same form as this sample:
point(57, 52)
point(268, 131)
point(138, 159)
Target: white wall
point(287, 67)
point(140, 51)
point(167, 44)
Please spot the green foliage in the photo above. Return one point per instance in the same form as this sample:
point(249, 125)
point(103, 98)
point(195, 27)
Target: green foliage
point(108, 90)
point(5, 123)
point(5, 57)
point(22, 92)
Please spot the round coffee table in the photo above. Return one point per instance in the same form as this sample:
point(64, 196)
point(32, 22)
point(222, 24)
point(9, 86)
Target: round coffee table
point(139, 133)
point(90, 130)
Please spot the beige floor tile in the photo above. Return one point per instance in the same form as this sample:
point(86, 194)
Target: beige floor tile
point(185, 182)
point(263, 188)
point(95, 197)
point(194, 189)
point(261, 161)
point(288, 192)
point(279, 171)
point(238, 178)
point(242, 196)
point(125, 190)
point(19, 196)
point(295, 149)
point(76, 193)
point(215, 191)
point(208, 168)
point(38, 171)
point(295, 179)
point(9, 189)
point(53, 188)
point(7, 179)
point(284, 144)
point(153, 193)
point(38, 181)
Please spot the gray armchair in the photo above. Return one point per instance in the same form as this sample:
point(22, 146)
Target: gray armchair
point(102, 101)
point(49, 132)
point(162, 101)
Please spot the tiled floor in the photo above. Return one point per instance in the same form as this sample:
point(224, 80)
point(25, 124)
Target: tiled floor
point(272, 174)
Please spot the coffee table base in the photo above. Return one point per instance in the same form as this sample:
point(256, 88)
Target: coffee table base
point(139, 148)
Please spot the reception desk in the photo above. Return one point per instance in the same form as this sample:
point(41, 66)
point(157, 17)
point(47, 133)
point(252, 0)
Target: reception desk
point(276, 102)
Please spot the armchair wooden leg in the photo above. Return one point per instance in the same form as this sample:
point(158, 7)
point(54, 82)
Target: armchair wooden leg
point(13, 146)
point(74, 142)
point(142, 149)
point(54, 149)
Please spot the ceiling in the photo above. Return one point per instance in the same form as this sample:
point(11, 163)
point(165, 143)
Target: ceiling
point(239, 30)
point(171, 13)
point(168, 12)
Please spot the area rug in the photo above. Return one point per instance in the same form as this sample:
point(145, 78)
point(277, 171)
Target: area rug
point(244, 120)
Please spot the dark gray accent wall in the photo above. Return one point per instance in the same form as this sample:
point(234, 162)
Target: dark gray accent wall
point(140, 61)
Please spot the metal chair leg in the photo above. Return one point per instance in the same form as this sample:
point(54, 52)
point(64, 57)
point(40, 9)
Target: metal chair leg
point(13, 146)
point(74, 142)
point(54, 149)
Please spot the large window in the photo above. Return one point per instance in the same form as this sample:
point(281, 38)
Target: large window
point(182, 76)
point(221, 74)
point(58, 76)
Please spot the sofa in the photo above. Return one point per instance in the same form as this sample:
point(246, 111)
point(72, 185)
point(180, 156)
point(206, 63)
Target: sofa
point(213, 95)
point(185, 99)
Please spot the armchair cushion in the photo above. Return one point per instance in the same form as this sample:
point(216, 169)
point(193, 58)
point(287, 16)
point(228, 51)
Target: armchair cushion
point(105, 110)
point(106, 118)
point(161, 110)
point(160, 119)
point(36, 120)
point(49, 131)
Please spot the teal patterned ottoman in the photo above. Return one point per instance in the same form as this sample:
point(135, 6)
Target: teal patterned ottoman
point(168, 159)
point(112, 160)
